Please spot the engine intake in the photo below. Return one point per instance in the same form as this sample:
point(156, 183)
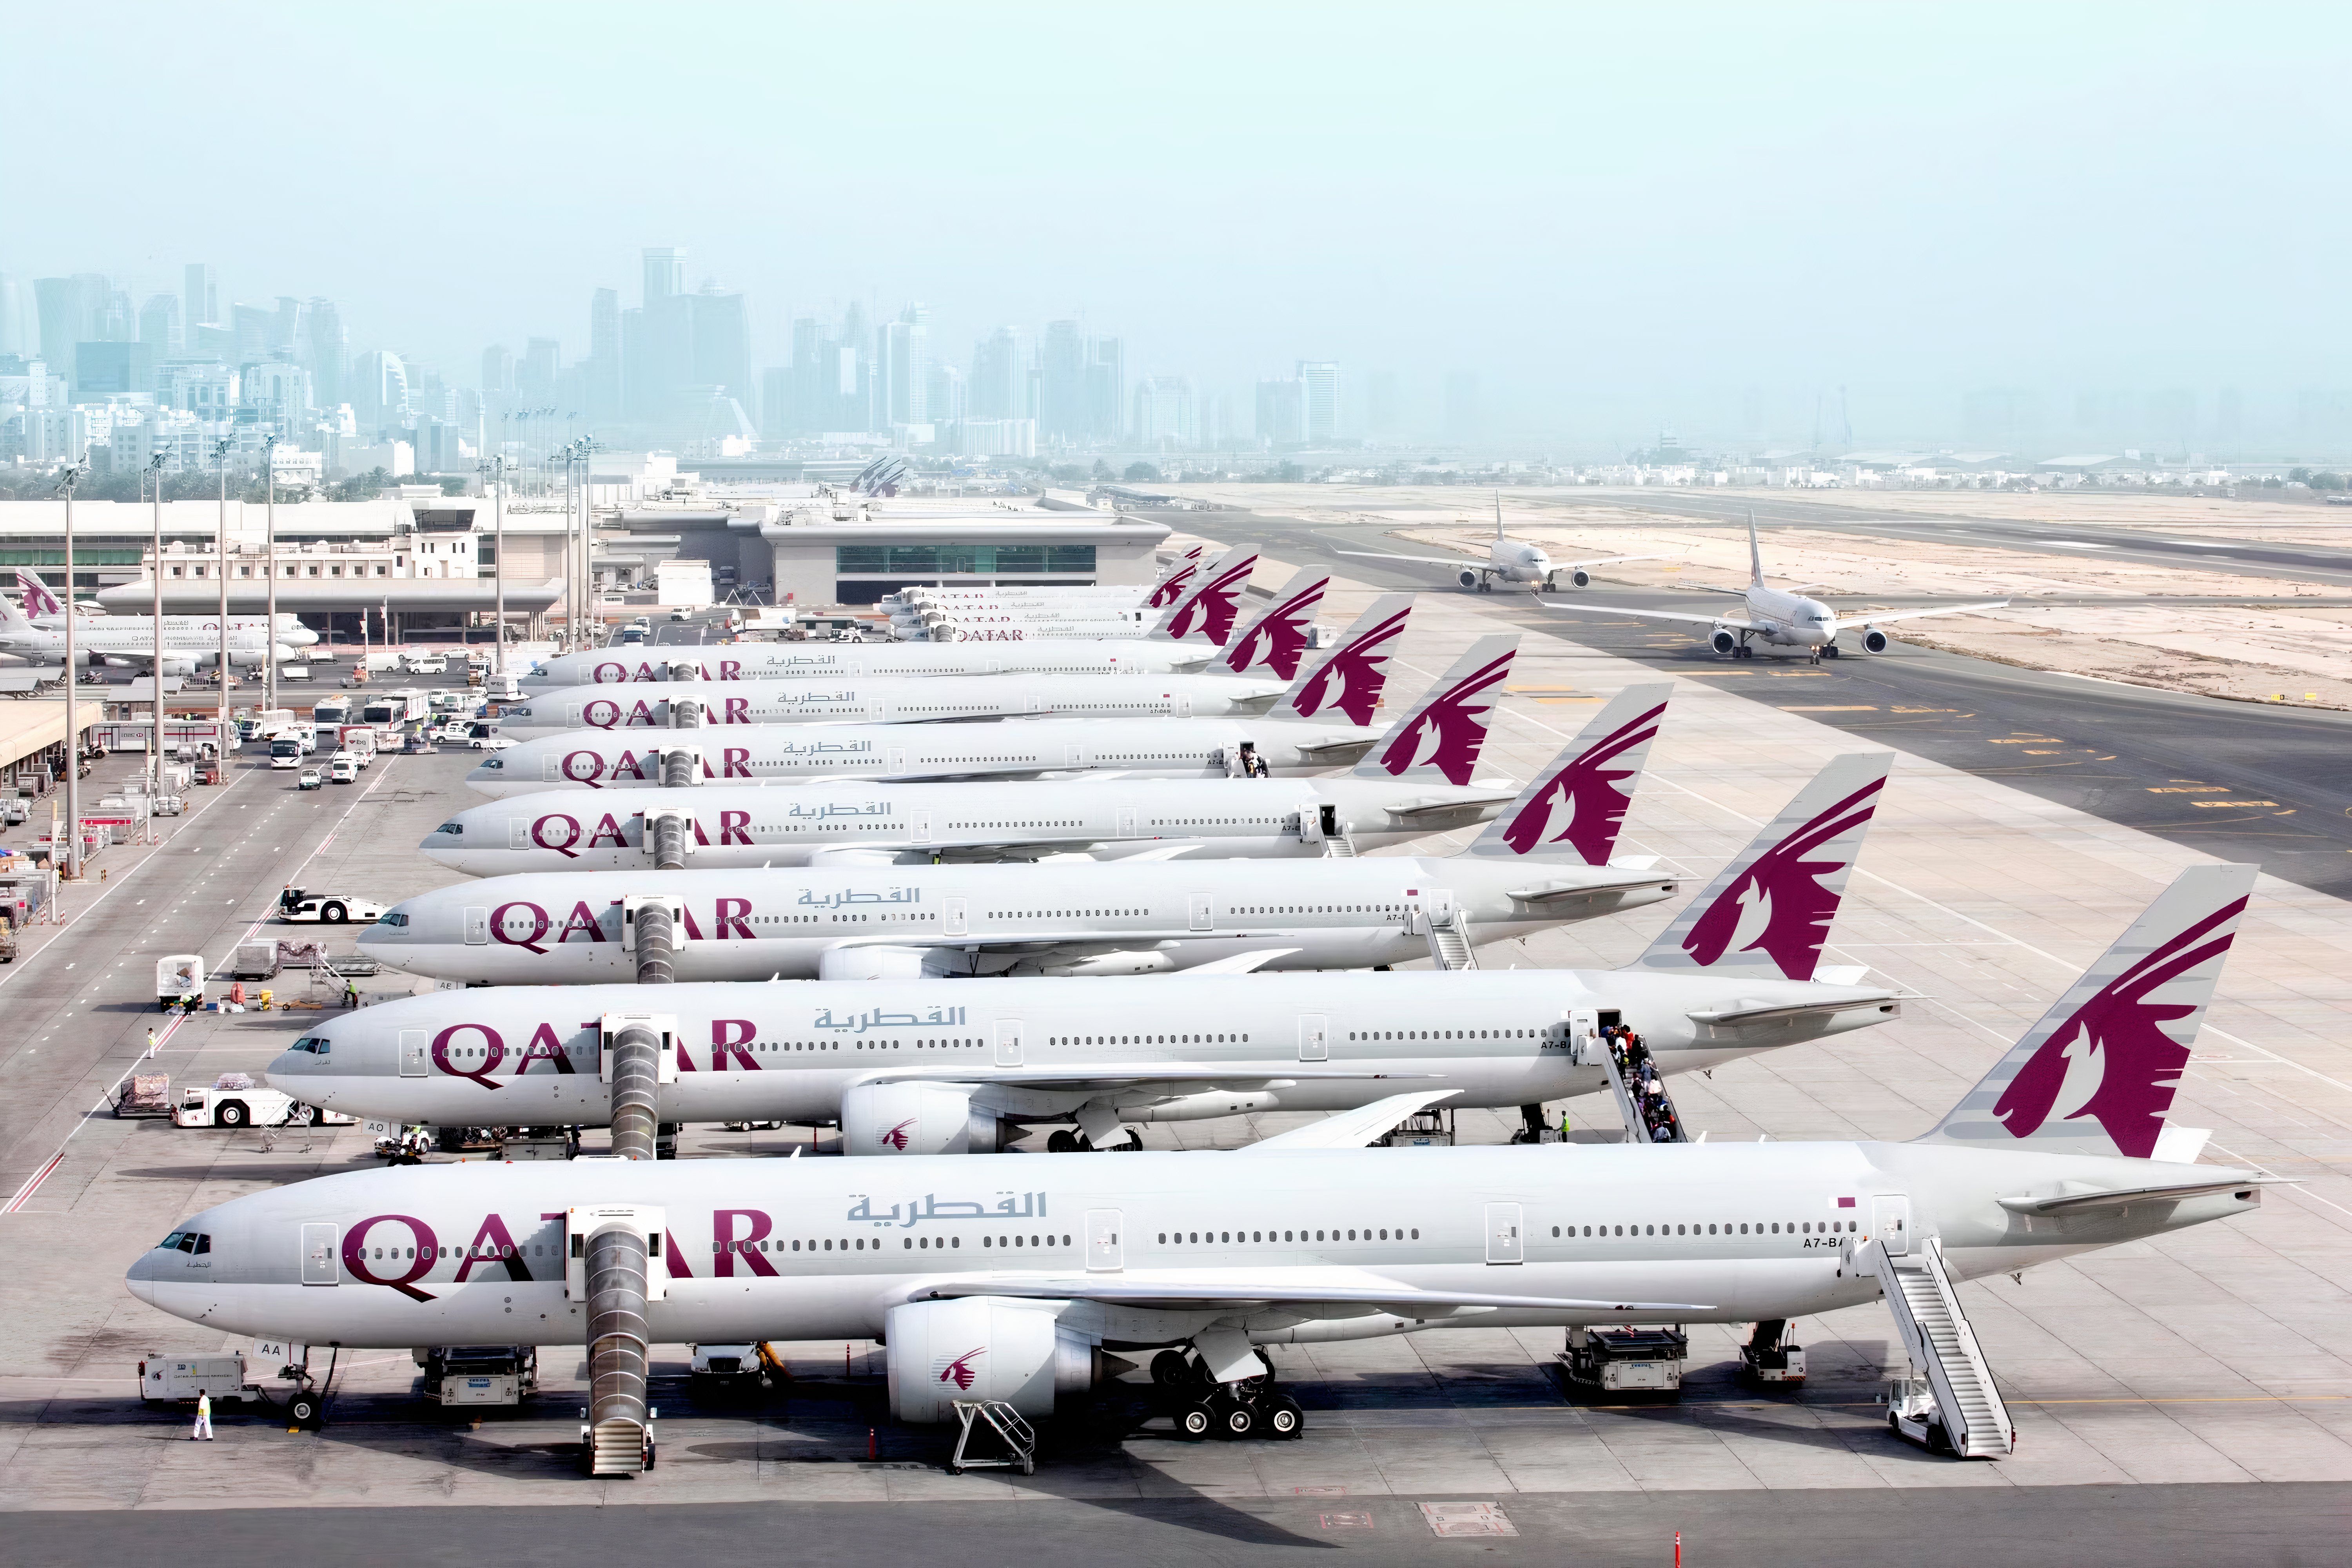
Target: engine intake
point(1873, 640)
point(917, 1119)
point(983, 1347)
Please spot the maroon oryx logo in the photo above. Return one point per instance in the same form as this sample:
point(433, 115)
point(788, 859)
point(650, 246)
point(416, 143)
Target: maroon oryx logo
point(1455, 722)
point(897, 1136)
point(1168, 591)
point(1587, 790)
point(1213, 608)
point(2122, 1033)
point(1279, 637)
point(959, 1369)
point(1779, 898)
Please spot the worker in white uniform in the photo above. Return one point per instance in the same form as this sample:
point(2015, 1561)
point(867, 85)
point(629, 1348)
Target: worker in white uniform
point(203, 1417)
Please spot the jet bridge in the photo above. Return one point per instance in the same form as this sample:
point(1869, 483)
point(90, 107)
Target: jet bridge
point(1948, 1400)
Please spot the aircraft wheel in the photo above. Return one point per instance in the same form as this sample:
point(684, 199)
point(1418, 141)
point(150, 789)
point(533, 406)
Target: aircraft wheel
point(1195, 1421)
point(1285, 1421)
point(333, 914)
point(1062, 1141)
point(1234, 1419)
point(303, 1409)
point(1831, 651)
point(1170, 1370)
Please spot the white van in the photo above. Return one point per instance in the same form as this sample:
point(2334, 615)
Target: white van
point(342, 768)
point(427, 664)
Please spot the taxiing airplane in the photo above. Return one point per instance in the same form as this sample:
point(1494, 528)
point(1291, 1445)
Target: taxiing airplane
point(1321, 721)
point(1536, 865)
point(1779, 617)
point(132, 640)
point(1511, 560)
point(980, 1292)
point(885, 824)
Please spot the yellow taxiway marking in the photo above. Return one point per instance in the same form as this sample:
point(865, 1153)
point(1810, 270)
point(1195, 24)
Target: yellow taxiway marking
point(1862, 707)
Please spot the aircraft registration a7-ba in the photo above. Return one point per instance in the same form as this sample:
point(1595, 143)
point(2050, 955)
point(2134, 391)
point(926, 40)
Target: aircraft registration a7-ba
point(969, 1069)
point(1511, 560)
point(1403, 789)
point(984, 1292)
point(1321, 721)
point(1778, 617)
point(1545, 861)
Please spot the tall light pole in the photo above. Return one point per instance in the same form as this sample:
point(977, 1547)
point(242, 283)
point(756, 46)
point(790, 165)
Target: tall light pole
point(220, 544)
point(155, 743)
point(497, 468)
point(70, 865)
point(270, 556)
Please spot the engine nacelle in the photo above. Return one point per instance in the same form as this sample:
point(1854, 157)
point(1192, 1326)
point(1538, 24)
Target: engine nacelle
point(916, 1119)
point(1873, 640)
point(247, 658)
point(983, 1347)
point(1722, 641)
point(1466, 577)
point(872, 963)
point(1581, 577)
point(179, 666)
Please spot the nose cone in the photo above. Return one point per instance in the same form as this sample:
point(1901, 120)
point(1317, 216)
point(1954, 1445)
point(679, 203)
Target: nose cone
point(141, 1281)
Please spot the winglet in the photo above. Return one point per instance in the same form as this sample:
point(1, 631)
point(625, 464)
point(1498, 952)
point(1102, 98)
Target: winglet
point(2098, 1072)
point(1768, 912)
point(1277, 640)
point(1441, 735)
point(1578, 801)
point(1348, 678)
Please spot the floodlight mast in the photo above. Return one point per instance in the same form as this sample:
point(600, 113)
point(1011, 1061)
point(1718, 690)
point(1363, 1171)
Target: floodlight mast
point(269, 555)
point(68, 859)
point(156, 745)
point(220, 544)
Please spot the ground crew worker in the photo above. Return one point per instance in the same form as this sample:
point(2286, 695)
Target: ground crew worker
point(151, 1042)
point(351, 994)
point(203, 1417)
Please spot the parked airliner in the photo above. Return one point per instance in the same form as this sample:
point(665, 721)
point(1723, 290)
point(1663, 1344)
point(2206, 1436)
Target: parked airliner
point(132, 640)
point(1321, 721)
point(1511, 560)
point(1778, 617)
point(982, 1292)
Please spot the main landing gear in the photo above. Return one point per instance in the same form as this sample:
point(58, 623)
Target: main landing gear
point(1248, 1407)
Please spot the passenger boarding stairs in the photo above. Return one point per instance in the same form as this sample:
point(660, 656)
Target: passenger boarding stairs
point(1641, 1090)
point(1449, 941)
point(1340, 846)
point(1936, 1336)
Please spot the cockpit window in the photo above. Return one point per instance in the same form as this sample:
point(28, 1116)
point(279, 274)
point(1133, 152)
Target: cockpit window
point(316, 1044)
point(186, 1241)
point(455, 829)
point(493, 762)
point(394, 919)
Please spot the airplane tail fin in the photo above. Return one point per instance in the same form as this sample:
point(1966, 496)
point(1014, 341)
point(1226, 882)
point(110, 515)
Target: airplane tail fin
point(1347, 678)
point(1440, 736)
point(1206, 614)
point(12, 618)
point(2097, 1074)
point(1578, 800)
point(1170, 585)
point(1768, 913)
point(1276, 640)
point(38, 599)
point(1498, 515)
point(1755, 554)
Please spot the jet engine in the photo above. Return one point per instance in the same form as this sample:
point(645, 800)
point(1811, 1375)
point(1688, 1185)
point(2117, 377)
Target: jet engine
point(916, 1119)
point(1722, 641)
point(1872, 640)
point(1581, 577)
point(248, 658)
point(182, 666)
point(983, 1347)
point(1466, 577)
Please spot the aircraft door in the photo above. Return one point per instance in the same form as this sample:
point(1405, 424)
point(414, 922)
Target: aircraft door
point(547, 767)
point(1890, 1221)
point(518, 833)
point(922, 827)
point(477, 927)
point(415, 1050)
point(1310, 823)
point(959, 920)
point(1126, 822)
point(321, 1259)
point(1584, 1037)
point(1506, 1242)
point(1327, 817)
point(896, 759)
point(1439, 901)
point(1008, 1042)
point(1183, 705)
point(1074, 755)
point(1202, 909)
point(1314, 1038)
point(1105, 1252)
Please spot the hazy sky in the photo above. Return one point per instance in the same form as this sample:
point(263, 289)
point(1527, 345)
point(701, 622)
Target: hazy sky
point(1637, 210)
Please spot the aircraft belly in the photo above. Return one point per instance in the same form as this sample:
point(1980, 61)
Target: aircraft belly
point(769, 1095)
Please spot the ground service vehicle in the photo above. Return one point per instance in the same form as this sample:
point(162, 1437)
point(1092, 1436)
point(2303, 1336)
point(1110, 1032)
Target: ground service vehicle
point(342, 768)
point(310, 779)
point(285, 751)
point(233, 1099)
point(297, 906)
point(478, 1375)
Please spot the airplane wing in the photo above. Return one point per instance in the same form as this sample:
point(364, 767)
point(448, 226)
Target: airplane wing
point(1734, 622)
point(1608, 560)
point(1352, 1128)
point(1186, 1291)
point(1845, 621)
point(1455, 561)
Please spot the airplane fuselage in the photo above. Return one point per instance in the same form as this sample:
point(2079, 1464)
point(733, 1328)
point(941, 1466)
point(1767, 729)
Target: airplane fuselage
point(786, 661)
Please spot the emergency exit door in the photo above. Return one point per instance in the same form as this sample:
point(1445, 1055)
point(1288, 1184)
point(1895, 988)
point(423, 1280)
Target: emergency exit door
point(958, 917)
point(922, 827)
point(1504, 1243)
point(1126, 822)
point(1008, 1042)
point(319, 1260)
point(1105, 1251)
point(896, 759)
point(517, 834)
point(415, 1050)
point(1314, 1038)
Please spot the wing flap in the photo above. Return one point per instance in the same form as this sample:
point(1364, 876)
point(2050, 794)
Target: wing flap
point(1351, 1129)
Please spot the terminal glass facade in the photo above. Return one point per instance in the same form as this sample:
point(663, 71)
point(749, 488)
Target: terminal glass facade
point(961, 560)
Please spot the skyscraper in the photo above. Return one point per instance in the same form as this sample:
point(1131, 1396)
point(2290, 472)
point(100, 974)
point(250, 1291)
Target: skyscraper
point(1320, 387)
point(255, 330)
point(497, 373)
point(158, 325)
point(721, 329)
point(1105, 390)
point(665, 272)
point(601, 375)
point(72, 311)
point(1166, 413)
point(1064, 415)
point(535, 372)
point(199, 297)
point(903, 369)
point(1281, 413)
point(328, 347)
point(1001, 365)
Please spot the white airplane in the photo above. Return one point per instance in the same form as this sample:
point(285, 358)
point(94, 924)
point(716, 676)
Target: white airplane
point(1779, 617)
point(1163, 590)
point(1320, 721)
point(882, 700)
point(1203, 611)
point(1511, 560)
point(132, 640)
point(979, 1293)
point(1530, 868)
point(740, 827)
point(42, 609)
